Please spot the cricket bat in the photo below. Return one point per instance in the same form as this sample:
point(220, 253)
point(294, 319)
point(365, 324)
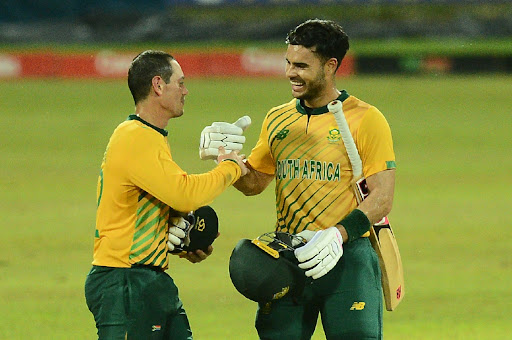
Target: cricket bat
point(381, 237)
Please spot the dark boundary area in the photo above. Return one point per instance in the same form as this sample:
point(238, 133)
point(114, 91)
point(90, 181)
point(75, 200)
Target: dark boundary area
point(469, 64)
point(137, 21)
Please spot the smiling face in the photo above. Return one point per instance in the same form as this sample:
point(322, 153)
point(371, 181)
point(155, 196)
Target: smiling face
point(311, 78)
point(305, 71)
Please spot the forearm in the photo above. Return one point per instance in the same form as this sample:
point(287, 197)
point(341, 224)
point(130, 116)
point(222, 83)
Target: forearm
point(198, 190)
point(184, 192)
point(253, 183)
point(376, 206)
point(246, 185)
point(371, 211)
point(379, 202)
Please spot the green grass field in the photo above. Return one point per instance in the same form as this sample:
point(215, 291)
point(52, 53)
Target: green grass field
point(452, 141)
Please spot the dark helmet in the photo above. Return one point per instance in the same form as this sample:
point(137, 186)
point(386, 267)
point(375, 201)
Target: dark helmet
point(202, 231)
point(265, 268)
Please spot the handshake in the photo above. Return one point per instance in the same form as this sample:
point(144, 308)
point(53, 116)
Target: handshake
point(223, 135)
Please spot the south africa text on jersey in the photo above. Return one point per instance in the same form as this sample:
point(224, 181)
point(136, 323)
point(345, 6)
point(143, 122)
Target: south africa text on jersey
point(307, 169)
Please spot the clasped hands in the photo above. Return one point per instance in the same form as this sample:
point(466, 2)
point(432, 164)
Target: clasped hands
point(221, 141)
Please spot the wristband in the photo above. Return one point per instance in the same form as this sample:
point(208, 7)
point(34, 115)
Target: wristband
point(229, 159)
point(356, 224)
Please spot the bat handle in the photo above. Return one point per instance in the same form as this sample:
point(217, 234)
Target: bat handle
point(336, 107)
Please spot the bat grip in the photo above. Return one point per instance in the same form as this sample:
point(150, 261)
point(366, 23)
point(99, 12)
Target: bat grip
point(336, 108)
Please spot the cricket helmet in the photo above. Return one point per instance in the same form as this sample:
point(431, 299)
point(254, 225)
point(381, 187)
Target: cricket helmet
point(266, 269)
point(205, 226)
point(202, 230)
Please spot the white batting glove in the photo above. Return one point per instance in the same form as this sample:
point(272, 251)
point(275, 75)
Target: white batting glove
point(228, 135)
point(178, 233)
point(305, 234)
point(321, 253)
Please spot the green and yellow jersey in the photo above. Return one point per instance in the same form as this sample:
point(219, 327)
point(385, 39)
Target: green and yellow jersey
point(306, 154)
point(138, 183)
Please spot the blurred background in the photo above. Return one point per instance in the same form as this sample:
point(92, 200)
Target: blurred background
point(439, 70)
point(391, 36)
point(185, 20)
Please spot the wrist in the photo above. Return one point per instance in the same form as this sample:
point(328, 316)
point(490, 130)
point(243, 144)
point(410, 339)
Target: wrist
point(229, 159)
point(355, 224)
point(343, 232)
point(236, 167)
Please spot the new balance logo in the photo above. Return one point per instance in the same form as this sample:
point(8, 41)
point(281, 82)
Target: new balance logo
point(358, 306)
point(282, 134)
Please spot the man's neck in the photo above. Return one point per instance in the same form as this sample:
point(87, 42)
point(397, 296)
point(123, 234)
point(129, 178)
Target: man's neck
point(151, 116)
point(325, 98)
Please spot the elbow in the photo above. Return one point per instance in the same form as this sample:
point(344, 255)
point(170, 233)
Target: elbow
point(247, 190)
point(387, 206)
point(252, 192)
point(186, 206)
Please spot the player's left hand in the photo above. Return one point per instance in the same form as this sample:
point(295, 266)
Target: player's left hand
point(321, 253)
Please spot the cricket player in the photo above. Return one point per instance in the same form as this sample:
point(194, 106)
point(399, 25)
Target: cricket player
point(300, 146)
point(128, 291)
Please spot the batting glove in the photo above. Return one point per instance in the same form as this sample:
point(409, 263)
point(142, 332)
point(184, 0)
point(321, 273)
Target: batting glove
point(321, 253)
point(306, 235)
point(178, 233)
point(223, 134)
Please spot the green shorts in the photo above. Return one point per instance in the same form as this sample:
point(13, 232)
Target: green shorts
point(348, 298)
point(137, 303)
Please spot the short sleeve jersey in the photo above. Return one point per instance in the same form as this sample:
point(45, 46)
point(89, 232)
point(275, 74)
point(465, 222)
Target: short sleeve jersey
point(138, 183)
point(312, 170)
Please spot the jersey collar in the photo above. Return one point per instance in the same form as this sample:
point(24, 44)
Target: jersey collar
point(161, 131)
point(319, 110)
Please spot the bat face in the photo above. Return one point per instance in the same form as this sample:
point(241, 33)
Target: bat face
point(386, 247)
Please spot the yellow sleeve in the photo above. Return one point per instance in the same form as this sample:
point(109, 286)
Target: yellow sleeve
point(260, 158)
point(375, 143)
point(154, 171)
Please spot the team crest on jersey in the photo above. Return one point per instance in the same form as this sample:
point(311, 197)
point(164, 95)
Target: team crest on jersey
point(334, 135)
point(282, 134)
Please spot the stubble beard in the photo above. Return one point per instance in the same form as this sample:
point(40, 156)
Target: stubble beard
point(314, 88)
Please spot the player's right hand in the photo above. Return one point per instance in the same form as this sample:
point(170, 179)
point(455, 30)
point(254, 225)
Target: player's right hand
point(230, 136)
point(233, 156)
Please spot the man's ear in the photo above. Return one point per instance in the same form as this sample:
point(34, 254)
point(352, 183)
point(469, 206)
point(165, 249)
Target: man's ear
point(331, 66)
point(157, 83)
